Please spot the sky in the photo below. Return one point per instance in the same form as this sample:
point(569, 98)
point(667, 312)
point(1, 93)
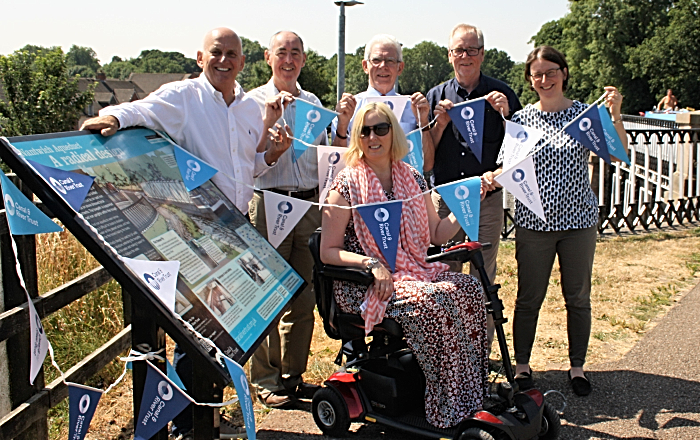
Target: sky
point(124, 28)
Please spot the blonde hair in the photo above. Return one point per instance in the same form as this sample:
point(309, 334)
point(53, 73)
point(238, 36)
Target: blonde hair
point(399, 145)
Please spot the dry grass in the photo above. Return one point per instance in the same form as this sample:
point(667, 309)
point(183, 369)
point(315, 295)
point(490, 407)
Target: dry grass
point(635, 280)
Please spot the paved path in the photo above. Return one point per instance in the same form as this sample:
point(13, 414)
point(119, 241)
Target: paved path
point(651, 393)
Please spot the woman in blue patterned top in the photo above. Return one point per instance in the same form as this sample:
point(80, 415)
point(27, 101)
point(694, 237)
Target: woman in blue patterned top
point(571, 210)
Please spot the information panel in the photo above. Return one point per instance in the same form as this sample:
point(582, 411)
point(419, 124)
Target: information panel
point(232, 283)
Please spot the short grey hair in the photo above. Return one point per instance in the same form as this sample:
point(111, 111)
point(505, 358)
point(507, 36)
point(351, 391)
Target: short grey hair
point(272, 39)
point(467, 28)
point(383, 39)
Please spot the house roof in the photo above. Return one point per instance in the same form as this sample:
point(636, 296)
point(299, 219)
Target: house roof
point(125, 95)
point(150, 82)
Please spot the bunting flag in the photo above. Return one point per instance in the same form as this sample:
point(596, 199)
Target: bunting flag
point(310, 121)
point(331, 161)
point(384, 220)
point(72, 187)
point(415, 150)
point(240, 381)
point(194, 170)
point(161, 402)
point(615, 145)
point(282, 213)
point(173, 376)
point(518, 142)
point(82, 402)
point(38, 340)
point(468, 117)
point(521, 181)
point(159, 276)
point(23, 217)
point(463, 197)
point(588, 130)
point(397, 103)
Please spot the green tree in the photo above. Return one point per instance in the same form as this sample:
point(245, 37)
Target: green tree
point(256, 72)
point(41, 97)
point(252, 50)
point(520, 85)
point(151, 61)
point(118, 68)
point(425, 66)
point(671, 57)
point(497, 64)
point(314, 76)
point(82, 61)
point(597, 37)
point(355, 76)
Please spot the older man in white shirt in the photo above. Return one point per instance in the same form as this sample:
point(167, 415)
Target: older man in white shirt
point(212, 118)
point(383, 63)
point(277, 366)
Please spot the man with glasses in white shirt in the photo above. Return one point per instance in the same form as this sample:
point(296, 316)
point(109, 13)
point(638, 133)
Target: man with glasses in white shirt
point(383, 63)
point(277, 366)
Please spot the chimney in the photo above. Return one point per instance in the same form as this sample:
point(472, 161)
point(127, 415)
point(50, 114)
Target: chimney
point(101, 76)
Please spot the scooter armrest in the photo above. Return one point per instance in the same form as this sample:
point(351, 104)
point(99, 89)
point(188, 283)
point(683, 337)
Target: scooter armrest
point(354, 274)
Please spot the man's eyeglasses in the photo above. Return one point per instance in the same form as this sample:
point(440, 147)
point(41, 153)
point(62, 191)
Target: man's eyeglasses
point(549, 73)
point(379, 129)
point(458, 52)
point(388, 62)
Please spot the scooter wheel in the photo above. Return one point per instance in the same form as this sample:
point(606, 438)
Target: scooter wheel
point(551, 424)
point(330, 412)
point(476, 434)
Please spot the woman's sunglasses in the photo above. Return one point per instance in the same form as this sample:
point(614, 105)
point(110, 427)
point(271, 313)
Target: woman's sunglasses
point(379, 129)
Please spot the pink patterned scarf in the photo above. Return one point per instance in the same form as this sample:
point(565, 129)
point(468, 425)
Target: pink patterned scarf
point(414, 236)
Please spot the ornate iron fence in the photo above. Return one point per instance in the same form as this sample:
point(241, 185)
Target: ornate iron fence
point(660, 188)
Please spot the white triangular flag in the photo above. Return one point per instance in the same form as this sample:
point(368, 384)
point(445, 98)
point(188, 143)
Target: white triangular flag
point(518, 142)
point(397, 103)
point(521, 181)
point(282, 214)
point(39, 342)
point(159, 276)
point(330, 163)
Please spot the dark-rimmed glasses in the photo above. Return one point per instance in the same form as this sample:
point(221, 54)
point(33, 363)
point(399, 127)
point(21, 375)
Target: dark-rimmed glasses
point(549, 73)
point(379, 129)
point(458, 52)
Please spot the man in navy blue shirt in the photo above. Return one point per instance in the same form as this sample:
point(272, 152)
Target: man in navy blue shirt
point(452, 159)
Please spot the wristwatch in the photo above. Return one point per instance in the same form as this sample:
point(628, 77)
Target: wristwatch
point(371, 263)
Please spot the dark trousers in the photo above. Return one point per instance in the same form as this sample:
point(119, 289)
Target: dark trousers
point(535, 252)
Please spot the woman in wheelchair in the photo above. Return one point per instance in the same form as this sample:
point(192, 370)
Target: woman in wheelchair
point(442, 313)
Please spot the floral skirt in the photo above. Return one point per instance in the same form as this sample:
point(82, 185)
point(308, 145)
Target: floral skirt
point(445, 326)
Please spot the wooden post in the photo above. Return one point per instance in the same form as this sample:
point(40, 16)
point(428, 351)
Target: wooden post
point(145, 335)
point(18, 363)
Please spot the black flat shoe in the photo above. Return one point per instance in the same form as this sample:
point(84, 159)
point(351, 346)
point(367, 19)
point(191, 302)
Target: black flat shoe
point(525, 381)
point(580, 385)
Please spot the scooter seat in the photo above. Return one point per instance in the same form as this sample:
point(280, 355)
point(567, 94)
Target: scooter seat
point(353, 327)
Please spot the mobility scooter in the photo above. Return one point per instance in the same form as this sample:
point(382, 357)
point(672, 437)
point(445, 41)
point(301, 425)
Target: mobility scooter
point(381, 382)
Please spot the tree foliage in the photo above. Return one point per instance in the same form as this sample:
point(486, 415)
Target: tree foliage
point(82, 61)
point(425, 66)
point(497, 64)
point(151, 61)
point(41, 96)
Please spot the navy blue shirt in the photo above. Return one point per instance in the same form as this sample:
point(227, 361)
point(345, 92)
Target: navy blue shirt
point(453, 158)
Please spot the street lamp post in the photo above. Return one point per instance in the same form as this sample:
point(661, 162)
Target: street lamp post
point(341, 44)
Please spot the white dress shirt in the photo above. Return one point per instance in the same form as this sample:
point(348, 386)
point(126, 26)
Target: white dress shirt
point(287, 175)
point(408, 121)
point(196, 117)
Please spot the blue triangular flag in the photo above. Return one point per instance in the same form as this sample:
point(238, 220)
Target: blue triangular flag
point(73, 187)
point(309, 122)
point(384, 222)
point(194, 170)
point(415, 150)
point(161, 402)
point(243, 390)
point(588, 130)
point(615, 145)
point(464, 200)
point(82, 402)
point(22, 216)
point(173, 376)
point(469, 119)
